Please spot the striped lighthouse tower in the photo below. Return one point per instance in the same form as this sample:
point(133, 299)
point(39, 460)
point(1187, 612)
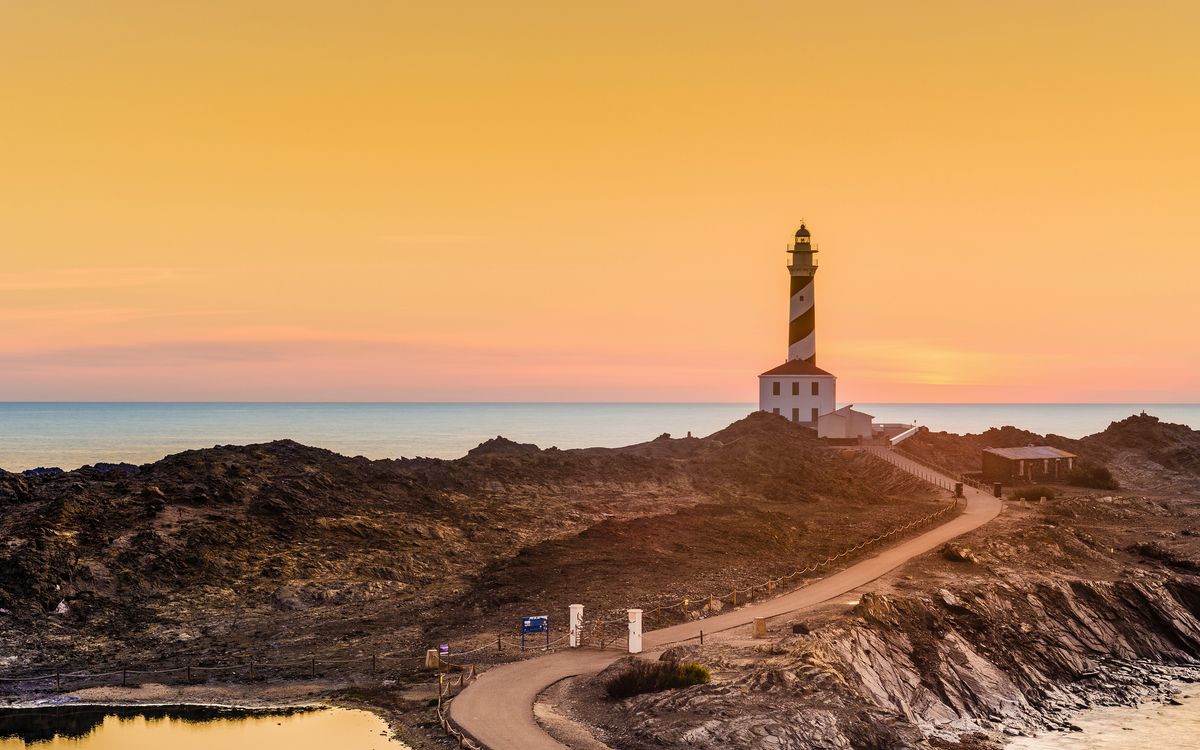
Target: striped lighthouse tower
point(802, 316)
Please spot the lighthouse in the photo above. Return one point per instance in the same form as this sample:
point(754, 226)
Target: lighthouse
point(798, 389)
point(802, 313)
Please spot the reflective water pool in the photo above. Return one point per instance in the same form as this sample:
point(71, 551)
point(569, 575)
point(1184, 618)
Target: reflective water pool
point(192, 728)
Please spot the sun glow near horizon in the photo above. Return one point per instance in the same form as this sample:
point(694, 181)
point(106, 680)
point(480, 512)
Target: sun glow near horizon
point(380, 201)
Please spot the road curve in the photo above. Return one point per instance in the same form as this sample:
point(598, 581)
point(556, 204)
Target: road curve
point(497, 709)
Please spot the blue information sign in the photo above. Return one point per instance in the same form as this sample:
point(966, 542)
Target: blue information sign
point(539, 624)
point(536, 624)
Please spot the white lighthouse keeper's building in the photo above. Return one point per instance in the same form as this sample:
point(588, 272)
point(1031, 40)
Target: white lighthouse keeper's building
point(798, 389)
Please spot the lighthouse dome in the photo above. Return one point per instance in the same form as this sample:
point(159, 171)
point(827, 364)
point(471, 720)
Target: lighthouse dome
point(803, 232)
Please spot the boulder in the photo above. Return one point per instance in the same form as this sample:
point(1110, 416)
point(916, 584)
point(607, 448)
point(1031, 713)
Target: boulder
point(286, 599)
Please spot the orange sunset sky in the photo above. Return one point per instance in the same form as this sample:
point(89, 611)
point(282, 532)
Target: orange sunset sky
point(589, 201)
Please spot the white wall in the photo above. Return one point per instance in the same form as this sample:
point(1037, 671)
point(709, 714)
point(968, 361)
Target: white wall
point(845, 423)
point(832, 426)
point(824, 402)
point(859, 425)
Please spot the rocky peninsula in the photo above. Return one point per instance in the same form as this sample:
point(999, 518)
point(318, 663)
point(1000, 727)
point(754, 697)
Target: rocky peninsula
point(285, 554)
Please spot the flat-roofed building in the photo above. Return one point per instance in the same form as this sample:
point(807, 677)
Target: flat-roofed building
point(1028, 465)
point(845, 424)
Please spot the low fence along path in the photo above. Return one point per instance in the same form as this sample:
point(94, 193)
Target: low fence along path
point(496, 711)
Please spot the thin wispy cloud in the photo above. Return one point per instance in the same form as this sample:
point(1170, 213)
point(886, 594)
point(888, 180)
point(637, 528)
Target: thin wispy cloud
point(85, 278)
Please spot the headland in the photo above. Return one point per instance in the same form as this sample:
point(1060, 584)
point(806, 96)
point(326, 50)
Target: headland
point(335, 574)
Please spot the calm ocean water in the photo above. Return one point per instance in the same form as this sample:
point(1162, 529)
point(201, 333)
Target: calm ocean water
point(70, 435)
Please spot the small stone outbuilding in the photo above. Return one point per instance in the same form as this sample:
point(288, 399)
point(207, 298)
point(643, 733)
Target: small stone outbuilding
point(1029, 465)
point(845, 424)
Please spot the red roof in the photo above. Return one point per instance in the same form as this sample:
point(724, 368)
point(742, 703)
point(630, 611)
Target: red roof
point(796, 367)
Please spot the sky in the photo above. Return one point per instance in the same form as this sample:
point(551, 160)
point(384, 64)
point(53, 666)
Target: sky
point(590, 201)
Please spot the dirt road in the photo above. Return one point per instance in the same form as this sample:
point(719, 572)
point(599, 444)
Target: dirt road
point(497, 709)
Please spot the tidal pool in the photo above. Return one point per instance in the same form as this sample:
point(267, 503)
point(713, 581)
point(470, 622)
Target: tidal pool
point(89, 727)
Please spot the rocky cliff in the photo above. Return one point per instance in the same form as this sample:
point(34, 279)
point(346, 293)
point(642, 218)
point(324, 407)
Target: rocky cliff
point(1009, 630)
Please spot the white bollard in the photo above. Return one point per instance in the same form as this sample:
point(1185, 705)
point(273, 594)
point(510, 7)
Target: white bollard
point(576, 625)
point(635, 631)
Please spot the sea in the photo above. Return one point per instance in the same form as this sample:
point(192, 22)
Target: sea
point(69, 435)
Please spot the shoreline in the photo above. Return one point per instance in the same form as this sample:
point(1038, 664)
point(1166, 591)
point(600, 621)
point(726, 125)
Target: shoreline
point(73, 436)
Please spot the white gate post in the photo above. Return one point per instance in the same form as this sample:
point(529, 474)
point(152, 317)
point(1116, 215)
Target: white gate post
point(576, 625)
point(635, 631)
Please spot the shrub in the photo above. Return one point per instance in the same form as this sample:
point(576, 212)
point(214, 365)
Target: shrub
point(1032, 493)
point(1096, 477)
point(653, 676)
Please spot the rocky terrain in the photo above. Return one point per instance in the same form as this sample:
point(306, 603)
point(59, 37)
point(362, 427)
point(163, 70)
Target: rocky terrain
point(1141, 451)
point(1089, 600)
point(281, 551)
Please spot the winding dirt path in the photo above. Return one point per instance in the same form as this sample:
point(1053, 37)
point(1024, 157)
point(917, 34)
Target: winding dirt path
point(497, 709)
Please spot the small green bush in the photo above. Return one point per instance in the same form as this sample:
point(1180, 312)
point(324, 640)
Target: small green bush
point(1032, 493)
point(653, 676)
point(1096, 477)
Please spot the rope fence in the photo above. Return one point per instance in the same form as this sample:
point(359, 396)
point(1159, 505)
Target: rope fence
point(445, 693)
point(255, 669)
point(604, 633)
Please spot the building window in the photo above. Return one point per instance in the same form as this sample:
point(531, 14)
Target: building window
point(816, 388)
point(775, 391)
point(814, 412)
point(795, 415)
point(796, 388)
point(775, 411)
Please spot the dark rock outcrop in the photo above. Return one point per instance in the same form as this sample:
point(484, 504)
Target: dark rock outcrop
point(504, 446)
